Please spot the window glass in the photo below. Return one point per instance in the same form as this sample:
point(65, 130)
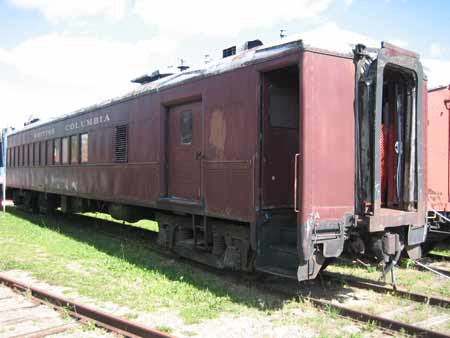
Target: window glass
point(14, 157)
point(43, 152)
point(65, 150)
point(283, 107)
point(49, 152)
point(186, 127)
point(23, 155)
point(57, 151)
point(74, 148)
point(19, 156)
point(36, 153)
point(30, 154)
point(84, 147)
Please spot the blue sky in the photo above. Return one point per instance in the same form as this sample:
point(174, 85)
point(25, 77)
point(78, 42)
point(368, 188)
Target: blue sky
point(57, 56)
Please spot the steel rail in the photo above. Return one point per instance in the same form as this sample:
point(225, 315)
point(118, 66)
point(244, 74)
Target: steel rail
point(380, 288)
point(386, 323)
point(382, 322)
point(85, 313)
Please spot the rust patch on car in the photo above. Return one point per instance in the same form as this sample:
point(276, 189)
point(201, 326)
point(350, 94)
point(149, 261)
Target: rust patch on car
point(218, 132)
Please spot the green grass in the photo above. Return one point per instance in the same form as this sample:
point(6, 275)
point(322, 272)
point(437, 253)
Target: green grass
point(70, 252)
point(442, 248)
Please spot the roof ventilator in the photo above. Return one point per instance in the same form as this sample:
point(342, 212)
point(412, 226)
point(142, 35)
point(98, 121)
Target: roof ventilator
point(247, 45)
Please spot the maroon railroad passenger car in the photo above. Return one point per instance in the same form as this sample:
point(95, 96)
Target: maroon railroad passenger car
point(269, 159)
point(438, 138)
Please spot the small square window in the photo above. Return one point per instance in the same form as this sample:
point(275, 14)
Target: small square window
point(186, 127)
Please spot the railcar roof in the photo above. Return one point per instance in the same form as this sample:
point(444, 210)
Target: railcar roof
point(439, 88)
point(239, 60)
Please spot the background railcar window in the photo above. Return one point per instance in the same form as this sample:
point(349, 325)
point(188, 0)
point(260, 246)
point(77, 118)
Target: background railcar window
point(84, 147)
point(22, 158)
point(57, 151)
point(65, 150)
point(74, 149)
point(186, 127)
point(14, 157)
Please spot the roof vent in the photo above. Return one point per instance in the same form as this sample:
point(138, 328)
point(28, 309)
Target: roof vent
point(229, 51)
point(247, 45)
point(31, 121)
point(150, 78)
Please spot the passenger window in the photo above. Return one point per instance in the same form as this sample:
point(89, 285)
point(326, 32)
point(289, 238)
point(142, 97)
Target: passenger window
point(23, 156)
point(42, 153)
point(57, 151)
point(186, 127)
point(19, 154)
point(74, 149)
point(65, 150)
point(36, 154)
point(84, 147)
point(49, 152)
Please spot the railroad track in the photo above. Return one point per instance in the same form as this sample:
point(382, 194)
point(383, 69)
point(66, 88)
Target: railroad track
point(436, 263)
point(82, 313)
point(290, 289)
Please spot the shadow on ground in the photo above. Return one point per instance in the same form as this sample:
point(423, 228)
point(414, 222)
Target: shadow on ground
point(110, 237)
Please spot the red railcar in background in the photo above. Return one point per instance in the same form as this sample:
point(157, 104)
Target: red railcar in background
point(438, 143)
point(269, 159)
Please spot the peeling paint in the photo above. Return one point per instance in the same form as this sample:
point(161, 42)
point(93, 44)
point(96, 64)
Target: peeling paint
point(218, 133)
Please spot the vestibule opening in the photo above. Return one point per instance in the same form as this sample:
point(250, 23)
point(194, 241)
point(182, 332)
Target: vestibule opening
point(280, 136)
point(398, 140)
point(277, 235)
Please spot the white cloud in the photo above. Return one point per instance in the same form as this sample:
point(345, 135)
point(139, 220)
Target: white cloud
point(224, 18)
point(348, 2)
point(60, 10)
point(438, 72)
point(62, 59)
point(332, 37)
point(56, 73)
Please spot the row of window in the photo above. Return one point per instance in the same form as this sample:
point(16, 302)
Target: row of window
point(67, 150)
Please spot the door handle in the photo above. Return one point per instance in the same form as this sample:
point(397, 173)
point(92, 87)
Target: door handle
point(296, 208)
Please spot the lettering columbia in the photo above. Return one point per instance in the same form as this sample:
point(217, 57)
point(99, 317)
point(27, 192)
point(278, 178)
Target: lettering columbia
point(92, 121)
point(88, 122)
